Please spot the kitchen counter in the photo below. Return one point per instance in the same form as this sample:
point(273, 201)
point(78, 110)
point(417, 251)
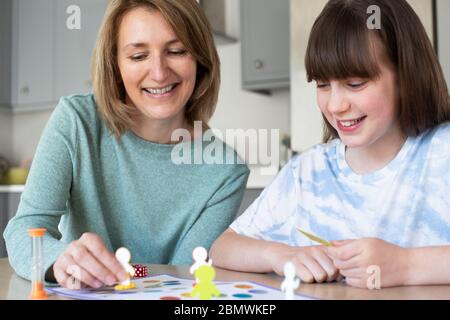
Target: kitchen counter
point(11, 188)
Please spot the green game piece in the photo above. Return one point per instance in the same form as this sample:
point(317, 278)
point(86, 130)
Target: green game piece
point(205, 287)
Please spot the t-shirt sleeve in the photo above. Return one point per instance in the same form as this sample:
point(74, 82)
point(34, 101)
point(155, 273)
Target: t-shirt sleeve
point(268, 216)
point(46, 193)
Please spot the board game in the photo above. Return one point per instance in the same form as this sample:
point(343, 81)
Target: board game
point(167, 287)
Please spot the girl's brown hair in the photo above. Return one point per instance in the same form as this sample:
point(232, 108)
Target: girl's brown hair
point(340, 47)
point(192, 28)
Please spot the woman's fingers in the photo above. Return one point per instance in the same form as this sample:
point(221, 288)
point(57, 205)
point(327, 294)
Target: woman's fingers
point(89, 262)
point(85, 259)
point(68, 272)
point(95, 245)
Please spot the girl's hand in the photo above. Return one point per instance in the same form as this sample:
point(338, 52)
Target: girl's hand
point(312, 264)
point(359, 260)
point(89, 263)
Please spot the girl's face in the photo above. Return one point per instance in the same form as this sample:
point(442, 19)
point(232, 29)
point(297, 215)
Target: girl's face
point(363, 111)
point(158, 73)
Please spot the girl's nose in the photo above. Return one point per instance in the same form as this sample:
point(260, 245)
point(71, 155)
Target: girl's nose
point(337, 103)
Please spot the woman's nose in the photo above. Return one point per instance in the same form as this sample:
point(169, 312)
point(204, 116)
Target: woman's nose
point(159, 69)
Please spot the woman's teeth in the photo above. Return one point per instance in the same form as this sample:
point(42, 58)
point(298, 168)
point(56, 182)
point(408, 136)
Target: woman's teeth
point(160, 91)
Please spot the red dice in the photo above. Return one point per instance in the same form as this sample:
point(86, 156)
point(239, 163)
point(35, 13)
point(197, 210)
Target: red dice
point(140, 270)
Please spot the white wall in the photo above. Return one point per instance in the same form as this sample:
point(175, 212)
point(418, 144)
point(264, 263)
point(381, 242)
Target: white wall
point(26, 132)
point(443, 7)
point(238, 108)
point(306, 121)
point(244, 109)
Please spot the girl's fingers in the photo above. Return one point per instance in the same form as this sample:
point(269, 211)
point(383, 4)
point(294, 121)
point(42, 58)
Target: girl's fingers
point(344, 252)
point(356, 282)
point(319, 274)
point(347, 264)
point(354, 273)
point(338, 243)
point(327, 264)
point(304, 274)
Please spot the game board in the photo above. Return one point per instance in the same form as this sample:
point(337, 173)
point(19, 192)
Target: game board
point(166, 287)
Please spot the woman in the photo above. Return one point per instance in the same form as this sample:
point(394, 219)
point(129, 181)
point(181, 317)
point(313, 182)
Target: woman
point(104, 174)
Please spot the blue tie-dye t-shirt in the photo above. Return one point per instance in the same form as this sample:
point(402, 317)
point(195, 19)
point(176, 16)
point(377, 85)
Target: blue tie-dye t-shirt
point(406, 203)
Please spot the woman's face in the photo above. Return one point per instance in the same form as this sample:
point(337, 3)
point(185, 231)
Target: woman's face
point(362, 111)
point(158, 73)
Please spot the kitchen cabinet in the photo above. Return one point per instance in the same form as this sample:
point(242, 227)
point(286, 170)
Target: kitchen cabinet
point(42, 58)
point(27, 52)
point(73, 49)
point(265, 49)
point(9, 202)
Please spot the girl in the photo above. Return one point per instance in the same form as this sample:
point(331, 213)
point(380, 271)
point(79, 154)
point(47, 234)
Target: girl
point(380, 183)
point(104, 165)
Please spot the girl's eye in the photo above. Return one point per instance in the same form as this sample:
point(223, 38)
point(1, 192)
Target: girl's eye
point(357, 85)
point(322, 85)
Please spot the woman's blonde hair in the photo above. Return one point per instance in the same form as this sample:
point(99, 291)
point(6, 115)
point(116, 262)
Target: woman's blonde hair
point(192, 28)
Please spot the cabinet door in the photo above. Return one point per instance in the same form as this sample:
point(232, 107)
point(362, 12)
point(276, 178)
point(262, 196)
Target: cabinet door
point(9, 202)
point(265, 38)
point(32, 52)
point(73, 47)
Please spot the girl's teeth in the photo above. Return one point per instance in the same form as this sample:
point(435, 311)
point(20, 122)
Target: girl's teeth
point(351, 123)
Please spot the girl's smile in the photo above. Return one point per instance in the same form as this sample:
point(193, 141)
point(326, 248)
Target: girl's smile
point(350, 125)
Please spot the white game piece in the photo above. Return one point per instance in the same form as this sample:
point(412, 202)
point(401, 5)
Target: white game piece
point(124, 257)
point(291, 282)
point(199, 254)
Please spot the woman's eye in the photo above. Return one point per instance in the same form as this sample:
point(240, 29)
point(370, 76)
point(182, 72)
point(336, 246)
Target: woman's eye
point(177, 52)
point(138, 57)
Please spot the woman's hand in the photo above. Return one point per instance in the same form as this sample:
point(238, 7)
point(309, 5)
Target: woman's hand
point(312, 264)
point(359, 260)
point(88, 262)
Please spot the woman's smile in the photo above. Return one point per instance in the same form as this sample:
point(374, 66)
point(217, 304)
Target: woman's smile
point(161, 92)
